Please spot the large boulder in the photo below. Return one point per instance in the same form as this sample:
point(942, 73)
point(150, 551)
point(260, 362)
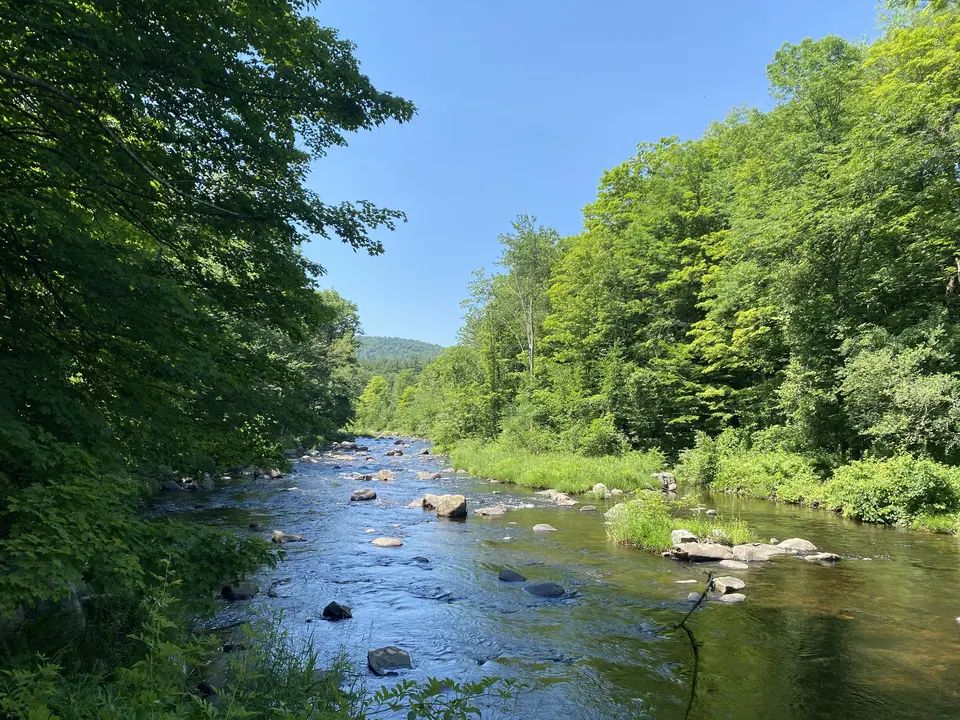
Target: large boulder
point(701, 552)
point(239, 591)
point(756, 552)
point(724, 585)
point(281, 537)
point(547, 590)
point(388, 659)
point(452, 506)
point(430, 501)
point(797, 545)
point(508, 575)
point(492, 511)
point(361, 495)
point(679, 537)
point(543, 527)
point(386, 542)
point(335, 611)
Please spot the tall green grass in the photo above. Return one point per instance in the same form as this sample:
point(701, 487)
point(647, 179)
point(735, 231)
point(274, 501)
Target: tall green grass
point(561, 471)
point(647, 522)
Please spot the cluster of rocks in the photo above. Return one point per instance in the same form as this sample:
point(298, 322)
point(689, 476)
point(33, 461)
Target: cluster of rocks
point(188, 484)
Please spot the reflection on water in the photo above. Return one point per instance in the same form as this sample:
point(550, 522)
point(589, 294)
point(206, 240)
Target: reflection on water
point(873, 636)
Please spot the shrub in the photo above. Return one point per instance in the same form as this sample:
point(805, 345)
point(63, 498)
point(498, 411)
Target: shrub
point(700, 464)
point(780, 475)
point(893, 491)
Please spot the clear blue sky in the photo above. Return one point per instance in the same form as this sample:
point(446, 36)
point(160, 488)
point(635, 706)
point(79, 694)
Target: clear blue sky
point(521, 106)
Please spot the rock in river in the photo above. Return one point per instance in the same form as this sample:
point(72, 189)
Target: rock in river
point(280, 537)
point(385, 475)
point(700, 552)
point(508, 575)
point(588, 508)
point(239, 591)
point(547, 590)
point(493, 510)
point(453, 506)
point(543, 527)
point(756, 552)
point(393, 453)
point(797, 545)
point(732, 598)
point(428, 476)
point(335, 611)
point(358, 495)
point(823, 557)
point(733, 565)
point(693, 597)
point(726, 585)
point(386, 542)
point(678, 537)
point(388, 659)
point(599, 489)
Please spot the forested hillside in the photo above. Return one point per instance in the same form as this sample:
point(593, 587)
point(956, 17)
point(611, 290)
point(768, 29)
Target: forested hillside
point(374, 350)
point(788, 283)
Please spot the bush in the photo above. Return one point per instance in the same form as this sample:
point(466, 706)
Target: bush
point(776, 475)
point(562, 471)
point(700, 464)
point(894, 491)
point(648, 521)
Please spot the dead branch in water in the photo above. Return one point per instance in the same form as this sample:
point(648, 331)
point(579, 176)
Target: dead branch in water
point(694, 645)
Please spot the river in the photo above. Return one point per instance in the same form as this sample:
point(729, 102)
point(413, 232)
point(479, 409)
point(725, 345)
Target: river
point(874, 636)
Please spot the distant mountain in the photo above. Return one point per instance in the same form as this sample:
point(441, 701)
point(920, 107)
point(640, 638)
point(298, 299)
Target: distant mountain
point(401, 352)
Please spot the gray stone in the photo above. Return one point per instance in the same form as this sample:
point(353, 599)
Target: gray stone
point(797, 545)
point(172, 486)
point(388, 659)
point(711, 513)
point(551, 493)
point(393, 453)
point(616, 492)
point(823, 557)
point(547, 590)
point(701, 552)
point(508, 575)
point(386, 542)
point(732, 598)
point(756, 552)
point(281, 537)
point(428, 476)
point(564, 500)
point(274, 474)
point(493, 511)
point(543, 527)
point(667, 481)
point(588, 508)
point(733, 565)
point(678, 537)
point(425, 451)
point(430, 501)
point(239, 591)
point(207, 485)
point(359, 495)
point(451, 506)
point(385, 475)
point(725, 585)
point(599, 489)
point(693, 597)
point(335, 611)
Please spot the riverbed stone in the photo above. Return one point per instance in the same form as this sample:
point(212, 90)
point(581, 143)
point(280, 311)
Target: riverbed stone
point(385, 475)
point(428, 476)
point(564, 500)
point(711, 513)
point(334, 611)
point(281, 537)
point(547, 590)
point(361, 495)
point(550, 493)
point(452, 506)
point(430, 501)
point(493, 510)
point(732, 598)
point(543, 527)
point(756, 552)
point(239, 591)
point(507, 575)
point(172, 486)
point(823, 557)
point(679, 537)
point(797, 545)
point(388, 659)
point(724, 585)
point(599, 489)
point(693, 597)
point(418, 503)
point(616, 492)
point(393, 453)
point(733, 565)
point(667, 481)
point(588, 508)
point(701, 552)
point(386, 542)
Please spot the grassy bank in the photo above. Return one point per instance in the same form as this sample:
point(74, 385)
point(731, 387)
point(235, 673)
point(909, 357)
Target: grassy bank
point(647, 522)
point(903, 490)
point(561, 471)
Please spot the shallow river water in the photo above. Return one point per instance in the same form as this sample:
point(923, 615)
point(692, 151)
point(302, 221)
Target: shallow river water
point(874, 636)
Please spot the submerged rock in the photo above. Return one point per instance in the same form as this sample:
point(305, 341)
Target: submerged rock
point(393, 453)
point(239, 591)
point(733, 565)
point(588, 508)
point(425, 451)
point(385, 475)
point(360, 495)
point(386, 542)
point(550, 493)
point(725, 585)
point(493, 511)
point(335, 611)
point(756, 552)
point(543, 527)
point(678, 537)
point(823, 557)
point(387, 659)
point(547, 590)
point(428, 476)
point(693, 597)
point(732, 598)
point(701, 552)
point(281, 537)
point(797, 545)
point(508, 575)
